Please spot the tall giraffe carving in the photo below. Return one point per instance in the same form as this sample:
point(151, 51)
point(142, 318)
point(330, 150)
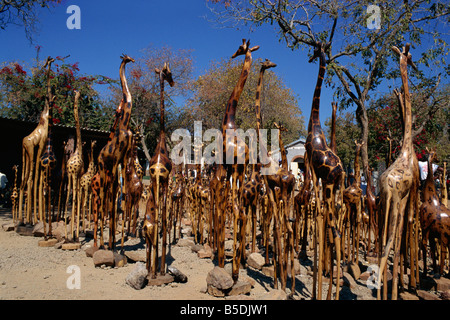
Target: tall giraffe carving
point(115, 152)
point(160, 168)
point(399, 187)
point(95, 183)
point(326, 166)
point(37, 138)
point(48, 163)
point(75, 167)
point(237, 164)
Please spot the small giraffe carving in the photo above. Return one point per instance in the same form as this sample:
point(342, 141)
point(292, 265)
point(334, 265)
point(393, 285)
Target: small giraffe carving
point(85, 187)
point(75, 166)
point(15, 194)
point(434, 221)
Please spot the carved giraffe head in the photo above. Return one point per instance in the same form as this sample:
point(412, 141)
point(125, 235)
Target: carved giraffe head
point(165, 73)
point(319, 49)
point(432, 157)
point(267, 64)
point(358, 145)
point(126, 58)
point(405, 54)
point(243, 48)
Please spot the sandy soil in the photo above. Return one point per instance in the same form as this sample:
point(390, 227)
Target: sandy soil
point(28, 271)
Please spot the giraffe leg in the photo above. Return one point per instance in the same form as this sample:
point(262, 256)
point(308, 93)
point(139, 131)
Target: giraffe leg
point(69, 187)
point(164, 231)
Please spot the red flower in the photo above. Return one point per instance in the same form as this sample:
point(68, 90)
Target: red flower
point(19, 68)
point(55, 121)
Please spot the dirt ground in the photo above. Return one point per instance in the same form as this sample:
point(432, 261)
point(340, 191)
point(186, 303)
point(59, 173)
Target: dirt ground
point(28, 271)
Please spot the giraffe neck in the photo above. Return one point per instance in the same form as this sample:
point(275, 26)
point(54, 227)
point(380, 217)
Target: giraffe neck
point(333, 129)
point(429, 183)
point(162, 107)
point(284, 162)
point(263, 150)
point(230, 114)
point(79, 147)
point(314, 120)
point(407, 147)
point(126, 104)
point(357, 169)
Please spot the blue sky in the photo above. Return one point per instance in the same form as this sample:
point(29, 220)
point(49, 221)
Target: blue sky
point(110, 28)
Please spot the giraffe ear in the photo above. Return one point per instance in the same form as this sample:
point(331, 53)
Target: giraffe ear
point(396, 50)
point(254, 48)
point(157, 70)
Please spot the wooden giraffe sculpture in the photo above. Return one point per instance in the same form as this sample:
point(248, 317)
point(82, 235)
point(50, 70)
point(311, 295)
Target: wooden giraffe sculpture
point(95, 183)
point(326, 166)
point(444, 197)
point(37, 138)
point(372, 209)
point(286, 186)
point(399, 187)
point(69, 148)
point(48, 163)
point(75, 166)
point(85, 187)
point(177, 202)
point(160, 168)
point(352, 201)
point(15, 194)
point(134, 189)
point(115, 152)
point(236, 165)
point(434, 221)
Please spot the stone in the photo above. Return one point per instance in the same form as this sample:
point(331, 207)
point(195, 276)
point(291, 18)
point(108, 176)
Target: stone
point(60, 231)
point(8, 227)
point(137, 278)
point(268, 271)
point(364, 276)
point(90, 251)
point(407, 296)
point(426, 295)
point(256, 260)
point(103, 257)
point(445, 295)
point(240, 287)
point(354, 270)
point(348, 280)
point(215, 292)
point(119, 260)
point(136, 256)
point(276, 294)
point(38, 229)
point(219, 278)
point(160, 280)
point(71, 246)
point(297, 268)
point(177, 274)
point(47, 243)
point(25, 230)
point(205, 252)
point(185, 243)
point(442, 284)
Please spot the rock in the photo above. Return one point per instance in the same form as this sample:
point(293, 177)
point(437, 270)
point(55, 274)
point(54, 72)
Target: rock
point(71, 246)
point(38, 229)
point(136, 256)
point(196, 247)
point(60, 231)
point(185, 243)
point(273, 295)
point(268, 271)
point(364, 276)
point(25, 230)
point(426, 295)
point(160, 280)
point(90, 251)
point(348, 281)
point(8, 227)
point(177, 274)
point(445, 295)
point(256, 260)
point(354, 271)
point(47, 243)
point(297, 268)
point(219, 278)
point(240, 287)
point(119, 260)
point(105, 257)
point(137, 278)
point(408, 296)
point(215, 292)
point(442, 284)
point(205, 252)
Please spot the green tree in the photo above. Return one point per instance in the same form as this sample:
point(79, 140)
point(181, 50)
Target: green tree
point(212, 90)
point(23, 93)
